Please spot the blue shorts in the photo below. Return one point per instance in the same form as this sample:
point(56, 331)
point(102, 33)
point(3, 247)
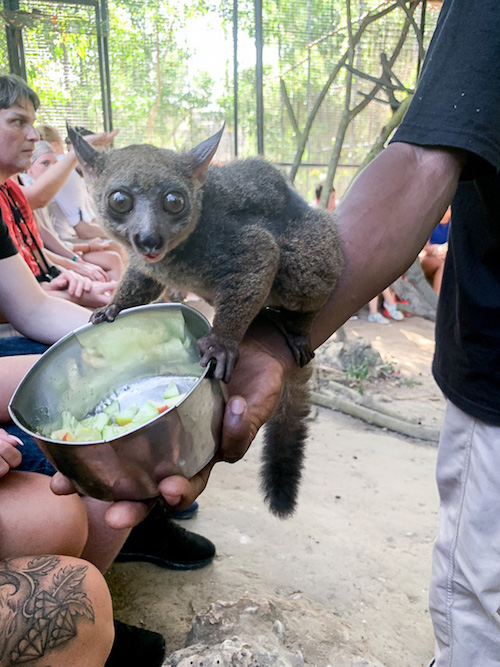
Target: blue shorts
point(33, 459)
point(11, 346)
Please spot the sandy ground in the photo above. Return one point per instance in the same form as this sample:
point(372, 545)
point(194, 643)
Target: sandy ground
point(351, 568)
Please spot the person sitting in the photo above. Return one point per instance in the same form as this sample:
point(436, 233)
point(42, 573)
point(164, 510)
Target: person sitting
point(390, 311)
point(57, 533)
point(93, 257)
point(433, 255)
point(73, 201)
point(16, 213)
point(48, 547)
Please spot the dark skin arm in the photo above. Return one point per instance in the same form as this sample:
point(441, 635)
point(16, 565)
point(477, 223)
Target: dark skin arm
point(384, 221)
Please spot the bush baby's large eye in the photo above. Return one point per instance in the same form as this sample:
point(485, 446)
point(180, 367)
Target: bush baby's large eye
point(173, 202)
point(120, 201)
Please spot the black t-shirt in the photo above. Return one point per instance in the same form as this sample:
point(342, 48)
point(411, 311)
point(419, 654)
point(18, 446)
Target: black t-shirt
point(457, 104)
point(7, 247)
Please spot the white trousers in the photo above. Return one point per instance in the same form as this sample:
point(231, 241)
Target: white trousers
point(465, 586)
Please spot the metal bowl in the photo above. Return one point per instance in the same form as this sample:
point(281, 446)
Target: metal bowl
point(129, 360)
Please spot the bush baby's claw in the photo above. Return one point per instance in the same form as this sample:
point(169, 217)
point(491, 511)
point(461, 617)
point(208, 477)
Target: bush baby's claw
point(223, 354)
point(106, 314)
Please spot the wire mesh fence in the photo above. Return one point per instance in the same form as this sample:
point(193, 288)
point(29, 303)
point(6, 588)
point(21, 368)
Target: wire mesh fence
point(171, 73)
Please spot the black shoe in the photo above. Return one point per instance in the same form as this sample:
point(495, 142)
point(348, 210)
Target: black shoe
point(135, 646)
point(160, 540)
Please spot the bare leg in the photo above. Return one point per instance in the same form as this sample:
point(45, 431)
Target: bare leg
point(103, 543)
point(433, 266)
point(54, 610)
point(438, 278)
point(389, 297)
point(373, 305)
point(36, 521)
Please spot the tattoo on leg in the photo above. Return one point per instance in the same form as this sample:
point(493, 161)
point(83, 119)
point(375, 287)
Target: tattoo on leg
point(40, 605)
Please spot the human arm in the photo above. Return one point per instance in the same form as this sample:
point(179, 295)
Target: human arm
point(384, 220)
point(30, 310)
point(65, 259)
point(12, 371)
point(50, 240)
point(48, 184)
point(92, 245)
point(80, 289)
point(89, 230)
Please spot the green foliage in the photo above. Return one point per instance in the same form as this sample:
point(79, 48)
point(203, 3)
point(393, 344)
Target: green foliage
point(4, 62)
point(164, 93)
point(149, 62)
point(356, 375)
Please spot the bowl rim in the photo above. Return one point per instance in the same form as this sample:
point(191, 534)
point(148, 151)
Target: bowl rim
point(123, 313)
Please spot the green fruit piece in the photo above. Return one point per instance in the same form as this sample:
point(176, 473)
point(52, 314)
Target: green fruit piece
point(85, 434)
point(98, 421)
point(112, 431)
point(112, 409)
point(68, 421)
point(125, 416)
point(147, 412)
point(176, 400)
point(101, 420)
point(171, 390)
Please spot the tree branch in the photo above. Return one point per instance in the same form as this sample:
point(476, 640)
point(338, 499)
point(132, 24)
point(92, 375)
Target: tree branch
point(288, 106)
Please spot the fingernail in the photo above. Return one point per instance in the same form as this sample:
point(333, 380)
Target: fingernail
point(238, 406)
point(172, 500)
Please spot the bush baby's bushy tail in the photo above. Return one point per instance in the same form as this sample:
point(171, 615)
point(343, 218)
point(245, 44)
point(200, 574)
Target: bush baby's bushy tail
point(284, 444)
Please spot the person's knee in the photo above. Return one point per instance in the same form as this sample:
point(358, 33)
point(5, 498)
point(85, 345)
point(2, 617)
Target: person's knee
point(76, 590)
point(115, 259)
point(50, 524)
point(72, 524)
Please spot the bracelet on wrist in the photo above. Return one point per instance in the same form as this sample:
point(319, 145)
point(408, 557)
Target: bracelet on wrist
point(74, 258)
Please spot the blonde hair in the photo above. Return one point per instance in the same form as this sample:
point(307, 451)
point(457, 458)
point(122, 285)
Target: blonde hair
point(49, 133)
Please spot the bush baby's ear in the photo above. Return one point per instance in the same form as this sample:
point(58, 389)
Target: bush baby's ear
point(91, 161)
point(200, 157)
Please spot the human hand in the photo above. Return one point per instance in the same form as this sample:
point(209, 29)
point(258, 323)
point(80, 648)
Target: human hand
point(10, 456)
point(92, 271)
point(255, 387)
point(128, 513)
point(75, 284)
point(96, 245)
point(254, 392)
point(102, 140)
point(99, 294)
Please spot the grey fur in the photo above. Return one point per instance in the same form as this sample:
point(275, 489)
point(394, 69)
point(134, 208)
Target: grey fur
point(243, 241)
